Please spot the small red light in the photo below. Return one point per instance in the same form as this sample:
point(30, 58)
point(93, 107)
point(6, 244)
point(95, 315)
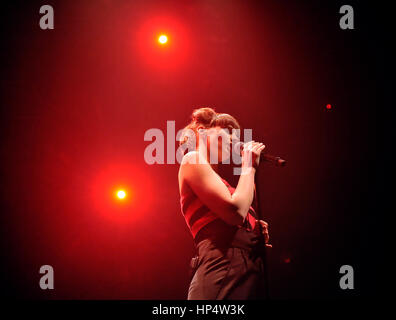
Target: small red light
point(328, 107)
point(287, 260)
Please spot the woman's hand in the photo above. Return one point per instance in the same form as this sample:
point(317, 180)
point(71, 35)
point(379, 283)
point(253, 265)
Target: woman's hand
point(264, 230)
point(251, 154)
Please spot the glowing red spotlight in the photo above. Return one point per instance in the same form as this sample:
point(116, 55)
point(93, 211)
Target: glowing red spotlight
point(121, 194)
point(162, 43)
point(163, 39)
point(328, 107)
point(287, 260)
point(120, 189)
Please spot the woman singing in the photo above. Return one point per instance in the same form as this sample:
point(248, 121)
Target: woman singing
point(226, 233)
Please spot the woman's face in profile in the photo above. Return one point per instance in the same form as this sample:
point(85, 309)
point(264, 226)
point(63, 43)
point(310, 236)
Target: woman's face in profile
point(220, 143)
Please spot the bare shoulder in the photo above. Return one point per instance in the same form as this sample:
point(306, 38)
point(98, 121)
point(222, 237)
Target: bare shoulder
point(191, 157)
point(185, 170)
point(189, 165)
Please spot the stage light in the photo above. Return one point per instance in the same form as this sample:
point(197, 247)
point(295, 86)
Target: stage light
point(163, 39)
point(328, 107)
point(121, 194)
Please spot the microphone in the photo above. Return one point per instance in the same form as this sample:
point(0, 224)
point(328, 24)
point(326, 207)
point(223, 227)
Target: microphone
point(277, 161)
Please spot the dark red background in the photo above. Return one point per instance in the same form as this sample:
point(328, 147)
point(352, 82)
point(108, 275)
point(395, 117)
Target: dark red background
point(77, 100)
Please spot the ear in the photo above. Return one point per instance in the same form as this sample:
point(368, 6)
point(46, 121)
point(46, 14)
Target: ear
point(202, 133)
point(200, 127)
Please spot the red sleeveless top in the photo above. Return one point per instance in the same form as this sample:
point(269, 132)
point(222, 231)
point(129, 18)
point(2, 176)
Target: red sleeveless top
point(198, 215)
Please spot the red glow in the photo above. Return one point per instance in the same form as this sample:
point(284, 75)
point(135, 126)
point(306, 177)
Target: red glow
point(121, 193)
point(172, 52)
point(328, 107)
point(287, 260)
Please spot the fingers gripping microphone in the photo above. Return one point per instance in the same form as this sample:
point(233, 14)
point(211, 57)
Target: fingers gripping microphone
point(277, 161)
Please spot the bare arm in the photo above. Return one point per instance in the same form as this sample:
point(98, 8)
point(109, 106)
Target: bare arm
point(208, 186)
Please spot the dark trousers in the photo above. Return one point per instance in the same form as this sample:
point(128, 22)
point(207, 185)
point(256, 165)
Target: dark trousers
point(228, 265)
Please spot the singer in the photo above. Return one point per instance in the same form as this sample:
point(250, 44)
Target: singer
point(221, 219)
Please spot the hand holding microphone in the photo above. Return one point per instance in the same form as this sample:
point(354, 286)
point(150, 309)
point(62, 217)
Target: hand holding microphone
point(254, 150)
point(251, 153)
